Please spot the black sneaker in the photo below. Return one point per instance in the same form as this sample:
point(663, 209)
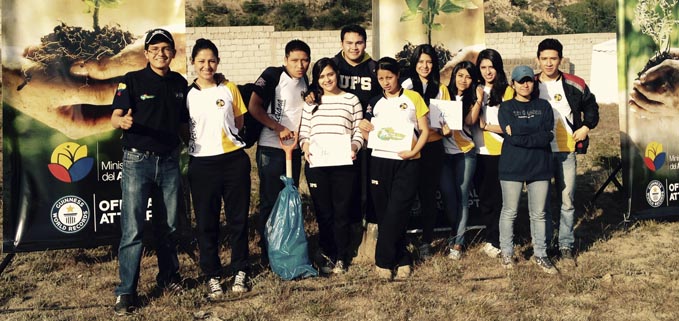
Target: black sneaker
point(545, 264)
point(174, 287)
point(566, 254)
point(124, 304)
point(240, 283)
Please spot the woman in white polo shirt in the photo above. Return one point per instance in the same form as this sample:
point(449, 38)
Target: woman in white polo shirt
point(219, 168)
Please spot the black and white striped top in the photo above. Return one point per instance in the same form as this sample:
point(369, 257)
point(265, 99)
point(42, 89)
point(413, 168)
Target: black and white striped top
point(339, 114)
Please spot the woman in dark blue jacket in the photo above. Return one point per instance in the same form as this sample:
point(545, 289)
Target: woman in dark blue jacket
point(527, 122)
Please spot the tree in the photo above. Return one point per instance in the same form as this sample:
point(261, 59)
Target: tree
point(433, 9)
point(96, 4)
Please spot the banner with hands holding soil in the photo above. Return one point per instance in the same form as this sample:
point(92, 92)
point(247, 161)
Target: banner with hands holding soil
point(62, 61)
point(62, 58)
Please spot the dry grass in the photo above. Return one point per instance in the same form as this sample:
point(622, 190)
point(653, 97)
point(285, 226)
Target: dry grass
point(622, 275)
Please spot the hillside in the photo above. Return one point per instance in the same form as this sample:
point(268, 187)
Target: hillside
point(532, 17)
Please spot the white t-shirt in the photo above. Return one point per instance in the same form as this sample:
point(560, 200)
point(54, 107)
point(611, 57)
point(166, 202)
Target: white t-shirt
point(212, 113)
point(552, 91)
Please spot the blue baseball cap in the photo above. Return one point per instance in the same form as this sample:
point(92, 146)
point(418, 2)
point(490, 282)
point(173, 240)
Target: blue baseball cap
point(521, 72)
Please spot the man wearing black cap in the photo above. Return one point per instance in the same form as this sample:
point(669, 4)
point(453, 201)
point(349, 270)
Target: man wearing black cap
point(149, 106)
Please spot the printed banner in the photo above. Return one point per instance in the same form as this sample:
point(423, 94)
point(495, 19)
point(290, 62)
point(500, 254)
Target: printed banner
point(61, 63)
point(649, 51)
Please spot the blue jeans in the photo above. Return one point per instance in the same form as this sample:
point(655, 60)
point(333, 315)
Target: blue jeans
point(270, 167)
point(145, 176)
point(537, 198)
point(564, 180)
point(456, 177)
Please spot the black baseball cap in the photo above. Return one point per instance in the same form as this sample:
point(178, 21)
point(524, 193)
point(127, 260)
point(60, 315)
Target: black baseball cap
point(158, 35)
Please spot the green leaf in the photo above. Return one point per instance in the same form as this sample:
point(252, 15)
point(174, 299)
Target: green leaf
point(449, 7)
point(408, 16)
point(413, 5)
point(437, 27)
point(466, 4)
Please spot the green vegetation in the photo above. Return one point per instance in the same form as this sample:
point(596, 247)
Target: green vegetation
point(534, 17)
point(433, 9)
point(543, 17)
point(299, 15)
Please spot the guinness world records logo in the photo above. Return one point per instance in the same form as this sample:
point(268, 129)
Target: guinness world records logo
point(655, 193)
point(70, 214)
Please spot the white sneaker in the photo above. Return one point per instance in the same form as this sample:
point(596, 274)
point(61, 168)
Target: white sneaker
point(240, 283)
point(339, 267)
point(454, 254)
point(214, 286)
point(490, 250)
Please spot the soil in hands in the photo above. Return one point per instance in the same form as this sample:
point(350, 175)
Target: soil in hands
point(69, 44)
point(656, 60)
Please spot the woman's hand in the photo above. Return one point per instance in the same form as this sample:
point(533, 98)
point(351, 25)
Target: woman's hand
point(305, 151)
point(445, 130)
point(406, 154)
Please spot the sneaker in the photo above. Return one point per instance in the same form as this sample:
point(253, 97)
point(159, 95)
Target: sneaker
point(545, 264)
point(124, 304)
point(214, 286)
point(240, 283)
point(425, 251)
point(507, 262)
point(339, 267)
point(174, 287)
point(403, 272)
point(566, 254)
point(567, 257)
point(454, 254)
point(324, 263)
point(490, 250)
point(385, 274)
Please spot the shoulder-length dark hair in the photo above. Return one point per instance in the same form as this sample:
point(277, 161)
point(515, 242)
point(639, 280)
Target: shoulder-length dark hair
point(500, 84)
point(433, 79)
point(469, 94)
point(316, 74)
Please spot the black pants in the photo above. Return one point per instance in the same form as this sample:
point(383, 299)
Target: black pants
point(365, 206)
point(431, 162)
point(332, 193)
point(393, 188)
point(488, 187)
point(214, 179)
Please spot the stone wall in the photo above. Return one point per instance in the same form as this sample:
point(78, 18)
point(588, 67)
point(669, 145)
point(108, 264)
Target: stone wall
point(246, 51)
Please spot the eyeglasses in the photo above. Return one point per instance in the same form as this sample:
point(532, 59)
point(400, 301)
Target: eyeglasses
point(155, 50)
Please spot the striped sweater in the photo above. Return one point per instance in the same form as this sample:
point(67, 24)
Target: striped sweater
point(338, 114)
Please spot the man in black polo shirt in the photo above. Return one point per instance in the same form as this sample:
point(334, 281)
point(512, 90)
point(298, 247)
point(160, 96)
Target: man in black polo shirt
point(149, 106)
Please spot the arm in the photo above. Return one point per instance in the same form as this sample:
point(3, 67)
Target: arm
point(257, 110)
point(121, 119)
point(356, 135)
point(305, 129)
point(526, 137)
point(423, 124)
point(473, 115)
point(590, 109)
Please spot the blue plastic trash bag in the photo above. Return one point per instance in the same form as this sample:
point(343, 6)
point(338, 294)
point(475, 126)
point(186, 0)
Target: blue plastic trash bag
point(286, 239)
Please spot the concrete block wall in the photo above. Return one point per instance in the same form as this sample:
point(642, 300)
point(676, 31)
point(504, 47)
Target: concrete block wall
point(576, 47)
point(246, 51)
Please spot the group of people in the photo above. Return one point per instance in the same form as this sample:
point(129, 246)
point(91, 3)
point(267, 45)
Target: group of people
point(523, 131)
